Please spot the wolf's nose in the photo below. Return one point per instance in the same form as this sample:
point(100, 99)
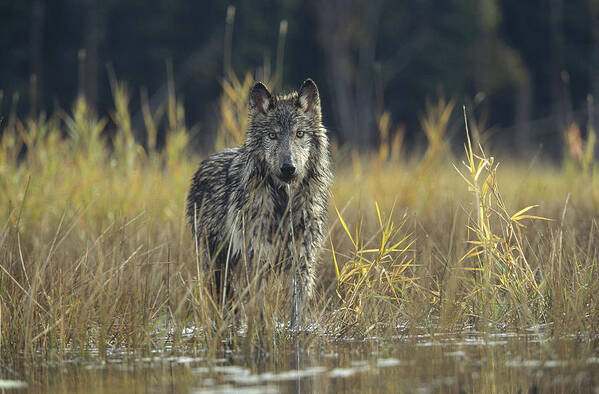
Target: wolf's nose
point(287, 170)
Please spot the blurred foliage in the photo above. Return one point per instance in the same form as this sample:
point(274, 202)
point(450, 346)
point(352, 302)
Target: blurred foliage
point(96, 253)
point(514, 61)
point(233, 111)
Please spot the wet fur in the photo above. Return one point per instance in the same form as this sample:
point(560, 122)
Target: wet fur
point(239, 203)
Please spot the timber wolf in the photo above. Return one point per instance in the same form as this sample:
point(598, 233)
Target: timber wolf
point(265, 202)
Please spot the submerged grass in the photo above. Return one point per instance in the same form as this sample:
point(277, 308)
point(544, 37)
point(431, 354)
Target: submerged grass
point(96, 253)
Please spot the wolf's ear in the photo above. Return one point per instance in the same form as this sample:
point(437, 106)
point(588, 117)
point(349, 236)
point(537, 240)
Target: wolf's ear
point(260, 98)
point(308, 98)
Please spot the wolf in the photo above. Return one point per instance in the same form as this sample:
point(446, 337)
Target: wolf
point(266, 202)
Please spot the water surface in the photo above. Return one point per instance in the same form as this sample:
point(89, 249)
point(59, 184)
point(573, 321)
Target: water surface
point(504, 362)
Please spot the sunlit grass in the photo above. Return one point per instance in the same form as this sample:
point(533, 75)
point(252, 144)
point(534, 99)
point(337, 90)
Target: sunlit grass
point(96, 253)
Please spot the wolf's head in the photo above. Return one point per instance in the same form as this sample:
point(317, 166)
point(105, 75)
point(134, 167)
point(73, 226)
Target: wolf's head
point(286, 131)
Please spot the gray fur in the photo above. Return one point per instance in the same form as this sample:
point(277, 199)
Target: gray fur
point(239, 198)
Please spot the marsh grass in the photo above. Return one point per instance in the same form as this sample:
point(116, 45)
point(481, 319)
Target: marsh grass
point(96, 252)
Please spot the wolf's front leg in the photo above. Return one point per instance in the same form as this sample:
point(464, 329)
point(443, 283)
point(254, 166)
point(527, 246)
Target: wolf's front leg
point(296, 300)
point(301, 289)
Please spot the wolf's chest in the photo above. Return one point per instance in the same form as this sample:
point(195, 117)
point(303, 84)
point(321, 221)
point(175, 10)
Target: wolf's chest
point(276, 216)
point(267, 223)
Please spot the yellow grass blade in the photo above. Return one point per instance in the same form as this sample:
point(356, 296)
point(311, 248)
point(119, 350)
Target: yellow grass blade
point(334, 258)
point(345, 227)
point(520, 215)
point(520, 212)
point(471, 253)
point(394, 247)
point(535, 217)
point(405, 266)
point(462, 175)
point(378, 213)
point(369, 251)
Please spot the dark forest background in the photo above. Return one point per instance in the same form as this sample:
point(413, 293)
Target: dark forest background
point(527, 67)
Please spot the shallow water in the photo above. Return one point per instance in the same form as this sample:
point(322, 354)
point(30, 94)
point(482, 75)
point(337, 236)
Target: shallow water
point(504, 362)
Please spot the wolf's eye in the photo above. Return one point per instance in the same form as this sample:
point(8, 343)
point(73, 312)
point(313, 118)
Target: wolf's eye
point(272, 135)
point(299, 133)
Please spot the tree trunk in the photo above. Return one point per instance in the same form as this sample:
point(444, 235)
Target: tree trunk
point(35, 55)
point(367, 125)
point(352, 85)
point(334, 19)
point(557, 77)
point(91, 38)
point(523, 114)
point(594, 66)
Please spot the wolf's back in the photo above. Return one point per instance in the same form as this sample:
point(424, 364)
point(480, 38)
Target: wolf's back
point(208, 199)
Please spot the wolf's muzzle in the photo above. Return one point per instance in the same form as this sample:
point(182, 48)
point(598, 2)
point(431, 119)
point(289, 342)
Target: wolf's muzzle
point(287, 172)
